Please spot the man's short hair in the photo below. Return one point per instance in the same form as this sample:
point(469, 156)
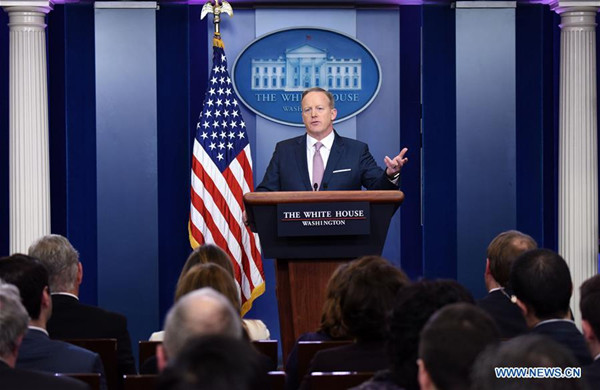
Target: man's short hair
point(31, 278)
point(540, 278)
point(60, 258)
point(215, 362)
point(319, 89)
point(504, 249)
point(414, 305)
point(201, 312)
point(451, 341)
point(590, 302)
point(13, 318)
point(524, 351)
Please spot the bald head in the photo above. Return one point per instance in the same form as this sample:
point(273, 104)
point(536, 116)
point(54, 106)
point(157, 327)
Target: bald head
point(199, 313)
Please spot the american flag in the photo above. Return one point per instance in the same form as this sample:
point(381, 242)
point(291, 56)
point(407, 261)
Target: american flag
point(221, 175)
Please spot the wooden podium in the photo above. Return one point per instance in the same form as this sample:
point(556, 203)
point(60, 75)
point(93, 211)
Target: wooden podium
point(305, 263)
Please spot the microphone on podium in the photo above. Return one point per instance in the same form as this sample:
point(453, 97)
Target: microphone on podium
point(315, 187)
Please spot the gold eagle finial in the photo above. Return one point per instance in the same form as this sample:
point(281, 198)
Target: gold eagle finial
point(217, 10)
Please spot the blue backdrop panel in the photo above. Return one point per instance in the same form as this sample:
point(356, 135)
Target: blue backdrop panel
point(126, 112)
point(439, 142)
point(379, 124)
point(4, 158)
point(485, 135)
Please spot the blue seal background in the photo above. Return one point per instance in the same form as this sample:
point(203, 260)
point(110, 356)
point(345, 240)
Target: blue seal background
point(274, 45)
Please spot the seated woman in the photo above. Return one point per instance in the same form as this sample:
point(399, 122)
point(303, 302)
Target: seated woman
point(209, 253)
point(331, 327)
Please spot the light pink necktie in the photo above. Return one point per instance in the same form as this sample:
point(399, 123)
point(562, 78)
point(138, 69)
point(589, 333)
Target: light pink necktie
point(318, 167)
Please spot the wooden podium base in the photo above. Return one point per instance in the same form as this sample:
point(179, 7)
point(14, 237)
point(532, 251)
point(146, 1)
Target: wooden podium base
point(300, 307)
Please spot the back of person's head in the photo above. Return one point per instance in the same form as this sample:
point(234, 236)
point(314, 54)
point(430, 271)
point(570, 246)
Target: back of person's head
point(414, 305)
point(13, 320)
point(209, 275)
point(450, 343)
point(201, 312)
point(331, 315)
point(589, 303)
point(60, 259)
point(541, 280)
point(207, 253)
point(372, 286)
point(504, 249)
point(31, 278)
point(524, 351)
point(215, 363)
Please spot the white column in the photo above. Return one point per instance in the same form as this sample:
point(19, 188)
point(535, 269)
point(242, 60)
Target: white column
point(28, 123)
point(578, 155)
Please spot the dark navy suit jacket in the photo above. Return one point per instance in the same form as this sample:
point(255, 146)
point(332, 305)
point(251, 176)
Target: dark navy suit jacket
point(40, 353)
point(73, 320)
point(507, 315)
point(592, 374)
point(350, 166)
point(566, 333)
point(16, 379)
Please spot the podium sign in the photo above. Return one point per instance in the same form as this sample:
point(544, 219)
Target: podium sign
point(323, 219)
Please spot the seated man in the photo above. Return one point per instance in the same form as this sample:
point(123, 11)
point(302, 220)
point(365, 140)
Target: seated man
point(39, 352)
point(215, 362)
point(70, 318)
point(542, 285)
point(450, 343)
point(524, 351)
point(589, 305)
point(501, 253)
point(13, 325)
point(199, 313)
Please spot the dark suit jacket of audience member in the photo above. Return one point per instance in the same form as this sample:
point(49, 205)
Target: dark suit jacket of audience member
point(507, 315)
point(40, 353)
point(361, 356)
point(15, 379)
point(291, 366)
point(592, 374)
point(566, 333)
point(74, 320)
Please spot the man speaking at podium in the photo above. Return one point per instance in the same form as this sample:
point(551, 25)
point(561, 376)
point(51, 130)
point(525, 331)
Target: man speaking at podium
point(323, 160)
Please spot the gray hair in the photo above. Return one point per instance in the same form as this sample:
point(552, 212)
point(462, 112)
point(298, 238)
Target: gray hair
point(198, 313)
point(60, 258)
point(13, 318)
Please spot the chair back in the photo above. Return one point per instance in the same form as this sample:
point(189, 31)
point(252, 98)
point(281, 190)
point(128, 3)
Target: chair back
point(338, 380)
point(92, 379)
point(267, 348)
point(139, 382)
point(146, 350)
point(107, 349)
point(308, 349)
point(277, 380)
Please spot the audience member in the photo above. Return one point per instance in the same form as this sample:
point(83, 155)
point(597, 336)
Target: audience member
point(589, 305)
point(13, 325)
point(71, 319)
point(215, 362)
point(501, 253)
point(372, 286)
point(38, 352)
point(450, 343)
point(414, 305)
point(542, 285)
point(524, 351)
point(209, 253)
point(199, 313)
point(331, 327)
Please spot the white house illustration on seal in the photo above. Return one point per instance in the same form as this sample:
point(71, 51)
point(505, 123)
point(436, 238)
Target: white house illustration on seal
point(303, 67)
